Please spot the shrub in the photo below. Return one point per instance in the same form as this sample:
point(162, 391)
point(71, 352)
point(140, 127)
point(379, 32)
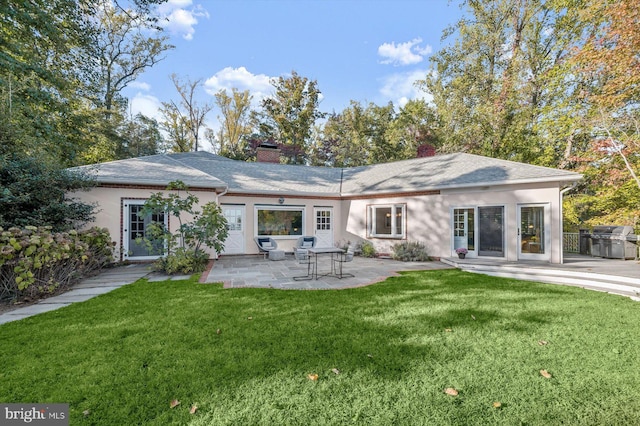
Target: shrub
point(410, 251)
point(183, 261)
point(367, 249)
point(35, 261)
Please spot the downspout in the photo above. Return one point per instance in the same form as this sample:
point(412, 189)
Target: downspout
point(562, 192)
point(226, 189)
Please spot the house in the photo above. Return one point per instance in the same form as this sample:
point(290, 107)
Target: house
point(494, 208)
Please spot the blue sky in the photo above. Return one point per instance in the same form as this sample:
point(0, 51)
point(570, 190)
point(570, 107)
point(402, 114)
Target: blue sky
point(365, 50)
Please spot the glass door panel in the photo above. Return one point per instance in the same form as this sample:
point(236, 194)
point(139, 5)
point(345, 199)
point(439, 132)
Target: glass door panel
point(491, 229)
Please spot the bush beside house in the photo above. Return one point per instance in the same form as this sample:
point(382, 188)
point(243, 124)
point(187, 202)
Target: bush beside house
point(35, 262)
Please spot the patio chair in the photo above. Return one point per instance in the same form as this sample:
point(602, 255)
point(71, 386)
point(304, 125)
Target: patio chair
point(303, 257)
point(265, 245)
point(341, 260)
point(304, 243)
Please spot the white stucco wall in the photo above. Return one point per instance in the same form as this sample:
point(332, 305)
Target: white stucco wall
point(429, 217)
point(109, 208)
point(285, 243)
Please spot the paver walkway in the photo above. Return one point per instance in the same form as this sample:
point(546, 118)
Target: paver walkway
point(106, 281)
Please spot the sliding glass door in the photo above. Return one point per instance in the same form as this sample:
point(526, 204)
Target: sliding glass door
point(491, 231)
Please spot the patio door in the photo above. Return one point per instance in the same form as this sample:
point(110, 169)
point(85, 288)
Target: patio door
point(533, 235)
point(491, 231)
point(464, 230)
point(324, 226)
point(135, 232)
point(234, 214)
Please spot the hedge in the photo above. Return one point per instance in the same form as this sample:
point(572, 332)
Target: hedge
point(35, 262)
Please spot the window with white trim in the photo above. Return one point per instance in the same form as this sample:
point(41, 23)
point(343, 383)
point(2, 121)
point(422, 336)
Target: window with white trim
point(387, 220)
point(279, 221)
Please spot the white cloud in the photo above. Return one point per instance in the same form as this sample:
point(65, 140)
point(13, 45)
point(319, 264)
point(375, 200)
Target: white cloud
point(181, 17)
point(401, 88)
point(259, 85)
point(403, 53)
point(140, 86)
point(145, 104)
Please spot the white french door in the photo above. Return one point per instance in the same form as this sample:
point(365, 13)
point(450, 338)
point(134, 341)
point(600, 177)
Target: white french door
point(135, 239)
point(323, 226)
point(235, 214)
point(534, 237)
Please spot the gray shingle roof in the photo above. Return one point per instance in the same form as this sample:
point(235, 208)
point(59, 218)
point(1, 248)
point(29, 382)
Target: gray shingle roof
point(446, 171)
point(204, 169)
point(151, 170)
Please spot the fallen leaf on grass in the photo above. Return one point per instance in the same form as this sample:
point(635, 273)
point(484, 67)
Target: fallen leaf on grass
point(335, 370)
point(313, 377)
point(451, 391)
point(474, 318)
point(497, 404)
point(86, 412)
point(545, 374)
point(370, 356)
point(193, 410)
point(218, 331)
point(174, 403)
point(448, 330)
point(542, 342)
point(249, 318)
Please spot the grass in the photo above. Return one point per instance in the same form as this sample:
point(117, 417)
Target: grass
point(122, 357)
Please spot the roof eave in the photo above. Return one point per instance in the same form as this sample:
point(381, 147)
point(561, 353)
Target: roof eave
point(160, 183)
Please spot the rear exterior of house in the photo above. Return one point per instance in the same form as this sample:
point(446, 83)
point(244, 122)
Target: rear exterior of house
point(493, 208)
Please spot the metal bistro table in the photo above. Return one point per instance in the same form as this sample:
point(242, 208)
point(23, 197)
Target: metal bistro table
point(325, 250)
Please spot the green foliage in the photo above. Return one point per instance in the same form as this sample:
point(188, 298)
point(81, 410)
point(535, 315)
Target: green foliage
point(367, 249)
point(34, 261)
point(183, 261)
point(289, 115)
point(34, 193)
point(184, 246)
point(410, 251)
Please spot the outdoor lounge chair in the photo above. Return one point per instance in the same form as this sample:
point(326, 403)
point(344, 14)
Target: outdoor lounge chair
point(341, 260)
point(265, 245)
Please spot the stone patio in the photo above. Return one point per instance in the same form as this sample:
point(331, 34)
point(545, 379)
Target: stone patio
point(255, 272)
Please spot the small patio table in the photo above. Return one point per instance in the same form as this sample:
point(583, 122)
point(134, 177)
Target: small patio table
point(325, 250)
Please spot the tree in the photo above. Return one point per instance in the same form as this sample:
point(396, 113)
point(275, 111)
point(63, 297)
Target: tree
point(193, 119)
point(141, 136)
point(493, 83)
point(174, 123)
point(234, 123)
point(288, 116)
point(184, 246)
point(123, 50)
point(33, 193)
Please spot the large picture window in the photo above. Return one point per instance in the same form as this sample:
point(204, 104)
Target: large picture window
point(279, 221)
point(387, 221)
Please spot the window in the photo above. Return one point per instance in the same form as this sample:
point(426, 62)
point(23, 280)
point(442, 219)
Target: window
point(387, 221)
point(279, 221)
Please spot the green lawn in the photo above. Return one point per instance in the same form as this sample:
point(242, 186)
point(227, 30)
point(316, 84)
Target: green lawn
point(122, 357)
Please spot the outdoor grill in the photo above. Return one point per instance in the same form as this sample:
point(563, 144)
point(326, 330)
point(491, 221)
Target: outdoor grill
point(614, 242)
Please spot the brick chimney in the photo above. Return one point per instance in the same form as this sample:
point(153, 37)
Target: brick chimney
point(268, 153)
point(426, 150)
